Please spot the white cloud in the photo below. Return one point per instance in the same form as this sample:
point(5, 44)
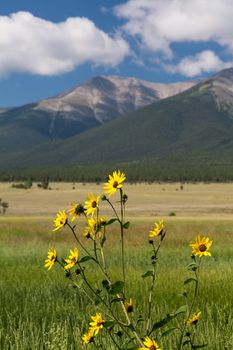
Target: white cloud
point(34, 45)
point(160, 23)
point(191, 66)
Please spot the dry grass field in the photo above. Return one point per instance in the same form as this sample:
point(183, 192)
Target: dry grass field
point(145, 200)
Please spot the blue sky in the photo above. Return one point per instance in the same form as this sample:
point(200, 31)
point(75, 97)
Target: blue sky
point(48, 46)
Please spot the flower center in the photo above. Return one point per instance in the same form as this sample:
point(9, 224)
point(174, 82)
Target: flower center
point(152, 347)
point(202, 247)
point(115, 184)
point(94, 204)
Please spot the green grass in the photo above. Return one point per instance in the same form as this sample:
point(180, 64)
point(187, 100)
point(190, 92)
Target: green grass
point(42, 310)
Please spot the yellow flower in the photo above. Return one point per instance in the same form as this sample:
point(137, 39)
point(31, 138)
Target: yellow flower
point(201, 246)
point(75, 211)
point(157, 230)
point(97, 323)
point(114, 182)
point(91, 204)
point(94, 225)
point(194, 320)
point(150, 344)
point(88, 337)
point(90, 229)
point(52, 258)
point(73, 258)
point(60, 221)
point(129, 305)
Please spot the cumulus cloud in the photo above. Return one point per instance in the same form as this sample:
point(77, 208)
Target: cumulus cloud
point(34, 45)
point(158, 24)
point(191, 66)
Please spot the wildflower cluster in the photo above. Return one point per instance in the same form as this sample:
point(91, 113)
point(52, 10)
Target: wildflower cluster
point(127, 326)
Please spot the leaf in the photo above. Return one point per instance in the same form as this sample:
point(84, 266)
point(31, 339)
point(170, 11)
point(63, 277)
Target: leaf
point(161, 323)
point(116, 300)
point(111, 221)
point(192, 264)
point(126, 225)
point(116, 287)
point(181, 310)
point(109, 324)
point(199, 346)
point(148, 274)
point(85, 258)
point(168, 331)
point(186, 342)
point(102, 241)
point(168, 318)
point(189, 280)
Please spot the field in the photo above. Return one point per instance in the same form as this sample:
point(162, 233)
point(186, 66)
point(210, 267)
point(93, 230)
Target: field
point(42, 310)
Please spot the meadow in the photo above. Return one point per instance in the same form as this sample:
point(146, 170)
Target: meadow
point(41, 309)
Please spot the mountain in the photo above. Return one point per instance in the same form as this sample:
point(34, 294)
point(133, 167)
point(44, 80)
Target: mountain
point(193, 127)
point(91, 104)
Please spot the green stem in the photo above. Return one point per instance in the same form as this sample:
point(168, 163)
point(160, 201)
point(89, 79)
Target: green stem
point(155, 251)
point(114, 341)
point(122, 239)
point(196, 272)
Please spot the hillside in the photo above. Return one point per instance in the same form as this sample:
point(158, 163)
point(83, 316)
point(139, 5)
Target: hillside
point(88, 105)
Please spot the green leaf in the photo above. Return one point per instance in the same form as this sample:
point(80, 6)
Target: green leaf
point(117, 287)
point(116, 300)
point(189, 280)
point(186, 342)
point(168, 318)
point(102, 241)
point(148, 274)
point(126, 225)
point(111, 221)
point(161, 323)
point(181, 310)
point(85, 258)
point(192, 264)
point(168, 331)
point(199, 346)
point(109, 324)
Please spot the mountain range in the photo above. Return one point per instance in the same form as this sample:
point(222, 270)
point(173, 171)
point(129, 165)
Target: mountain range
point(123, 120)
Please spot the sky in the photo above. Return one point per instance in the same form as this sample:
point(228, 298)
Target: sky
point(50, 46)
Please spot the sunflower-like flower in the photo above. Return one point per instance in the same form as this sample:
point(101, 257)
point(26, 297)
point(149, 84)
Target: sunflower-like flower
point(52, 258)
point(90, 229)
point(60, 221)
point(157, 230)
point(201, 246)
point(129, 305)
point(89, 336)
point(194, 319)
point(114, 182)
point(150, 344)
point(72, 260)
point(97, 323)
point(91, 204)
point(94, 225)
point(75, 211)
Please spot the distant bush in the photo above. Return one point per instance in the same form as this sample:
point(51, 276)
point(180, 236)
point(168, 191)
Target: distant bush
point(25, 185)
point(172, 213)
point(44, 184)
point(3, 206)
